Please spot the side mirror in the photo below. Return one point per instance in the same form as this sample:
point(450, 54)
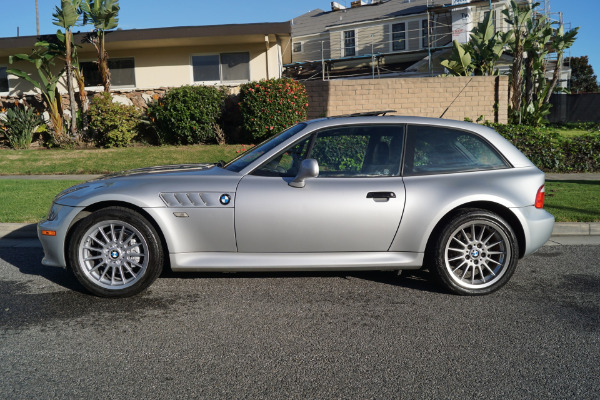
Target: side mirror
point(309, 168)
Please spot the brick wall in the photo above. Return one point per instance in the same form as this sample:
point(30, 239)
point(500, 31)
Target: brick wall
point(453, 97)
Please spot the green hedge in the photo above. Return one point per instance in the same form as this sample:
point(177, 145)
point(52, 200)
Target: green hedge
point(551, 152)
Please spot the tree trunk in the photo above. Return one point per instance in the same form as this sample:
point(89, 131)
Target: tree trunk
point(70, 88)
point(555, 76)
point(529, 79)
point(56, 112)
point(83, 100)
point(517, 77)
point(103, 63)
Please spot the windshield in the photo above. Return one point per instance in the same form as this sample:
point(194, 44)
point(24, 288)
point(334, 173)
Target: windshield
point(245, 159)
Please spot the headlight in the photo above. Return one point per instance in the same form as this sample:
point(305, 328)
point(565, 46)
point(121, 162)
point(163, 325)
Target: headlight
point(53, 213)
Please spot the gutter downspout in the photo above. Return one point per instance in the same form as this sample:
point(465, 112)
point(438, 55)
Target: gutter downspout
point(267, 54)
point(279, 56)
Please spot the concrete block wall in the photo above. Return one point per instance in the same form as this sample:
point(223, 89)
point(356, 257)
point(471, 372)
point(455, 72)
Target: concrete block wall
point(453, 97)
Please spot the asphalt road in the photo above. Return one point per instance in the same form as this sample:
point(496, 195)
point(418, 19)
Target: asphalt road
point(303, 335)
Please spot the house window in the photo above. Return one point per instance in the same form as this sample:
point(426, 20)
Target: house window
point(297, 47)
point(399, 36)
point(486, 14)
point(122, 72)
point(221, 67)
point(425, 33)
point(349, 44)
point(235, 66)
point(3, 80)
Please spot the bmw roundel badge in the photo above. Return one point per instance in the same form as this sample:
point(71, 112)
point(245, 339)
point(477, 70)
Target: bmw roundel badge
point(225, 199)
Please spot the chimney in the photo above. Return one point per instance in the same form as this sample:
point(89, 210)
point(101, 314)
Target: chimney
point(335, 6)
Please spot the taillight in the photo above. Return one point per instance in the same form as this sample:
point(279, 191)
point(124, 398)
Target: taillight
point(540, 196)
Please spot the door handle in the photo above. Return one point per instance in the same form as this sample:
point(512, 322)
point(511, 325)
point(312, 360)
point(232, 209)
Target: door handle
point(381, 195)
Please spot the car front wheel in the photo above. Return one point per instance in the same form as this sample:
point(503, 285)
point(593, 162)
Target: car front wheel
point(475, 254)
point(115, 252)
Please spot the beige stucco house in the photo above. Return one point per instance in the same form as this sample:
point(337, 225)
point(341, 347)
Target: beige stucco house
point(145, 59)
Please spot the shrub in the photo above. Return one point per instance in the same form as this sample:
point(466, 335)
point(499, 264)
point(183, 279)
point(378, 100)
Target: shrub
point(19, 125)
point(544, 149)
point(582, 153)
point(271, 106)
point(188, 114)
point(114, 125)
point(551, 152)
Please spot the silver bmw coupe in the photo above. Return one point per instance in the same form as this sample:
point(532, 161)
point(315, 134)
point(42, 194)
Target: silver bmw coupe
point(360, 192)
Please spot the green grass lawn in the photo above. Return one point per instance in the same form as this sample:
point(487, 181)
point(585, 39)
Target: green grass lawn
point(573, 129)
point(568, 132)
point(29, 200)
point(573, 201)
point(25, 200)
point(102, 161)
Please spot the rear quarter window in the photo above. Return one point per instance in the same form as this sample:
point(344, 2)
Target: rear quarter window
point(431, 150)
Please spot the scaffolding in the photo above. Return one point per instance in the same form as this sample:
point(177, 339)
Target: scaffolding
point(555, 18)
point(407, 47)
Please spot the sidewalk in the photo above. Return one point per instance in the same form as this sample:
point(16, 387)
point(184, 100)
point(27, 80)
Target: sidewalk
point(588, 176)
point(52, 177)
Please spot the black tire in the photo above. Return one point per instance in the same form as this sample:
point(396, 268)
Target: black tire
point(475, 253)
point(115, 252)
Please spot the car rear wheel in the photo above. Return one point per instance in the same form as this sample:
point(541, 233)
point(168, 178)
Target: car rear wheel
point(475, 254)
point(115, 252)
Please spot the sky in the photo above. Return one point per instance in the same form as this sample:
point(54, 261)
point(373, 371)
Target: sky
point(139, 14)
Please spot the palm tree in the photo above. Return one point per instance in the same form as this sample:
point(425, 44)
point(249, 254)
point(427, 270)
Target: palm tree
point(561, 42)
point(43, 58)
point(104, 16)
point(37, 18)
point(517, 16)
point(67, 17)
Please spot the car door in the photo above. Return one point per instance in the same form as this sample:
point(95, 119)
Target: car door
point(355, 204)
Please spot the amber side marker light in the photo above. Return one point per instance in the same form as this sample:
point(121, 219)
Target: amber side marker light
point(53, 233)
point(540, 196)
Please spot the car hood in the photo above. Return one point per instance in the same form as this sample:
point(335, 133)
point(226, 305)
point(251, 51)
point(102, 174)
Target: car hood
point(161, 169)
point(142, 187)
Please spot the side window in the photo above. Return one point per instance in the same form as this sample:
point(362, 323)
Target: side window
point(285, 164)
point(350, 151)
point(438, 150)
point(358, 151)
point(340, 152)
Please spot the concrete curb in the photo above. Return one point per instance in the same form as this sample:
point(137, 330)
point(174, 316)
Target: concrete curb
point(29, 231)
point(18, 231)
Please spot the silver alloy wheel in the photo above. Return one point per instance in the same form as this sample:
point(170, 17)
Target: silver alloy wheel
point(113, 254)
point(477, 254)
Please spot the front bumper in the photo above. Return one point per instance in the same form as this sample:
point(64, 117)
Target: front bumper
point(54, 246)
